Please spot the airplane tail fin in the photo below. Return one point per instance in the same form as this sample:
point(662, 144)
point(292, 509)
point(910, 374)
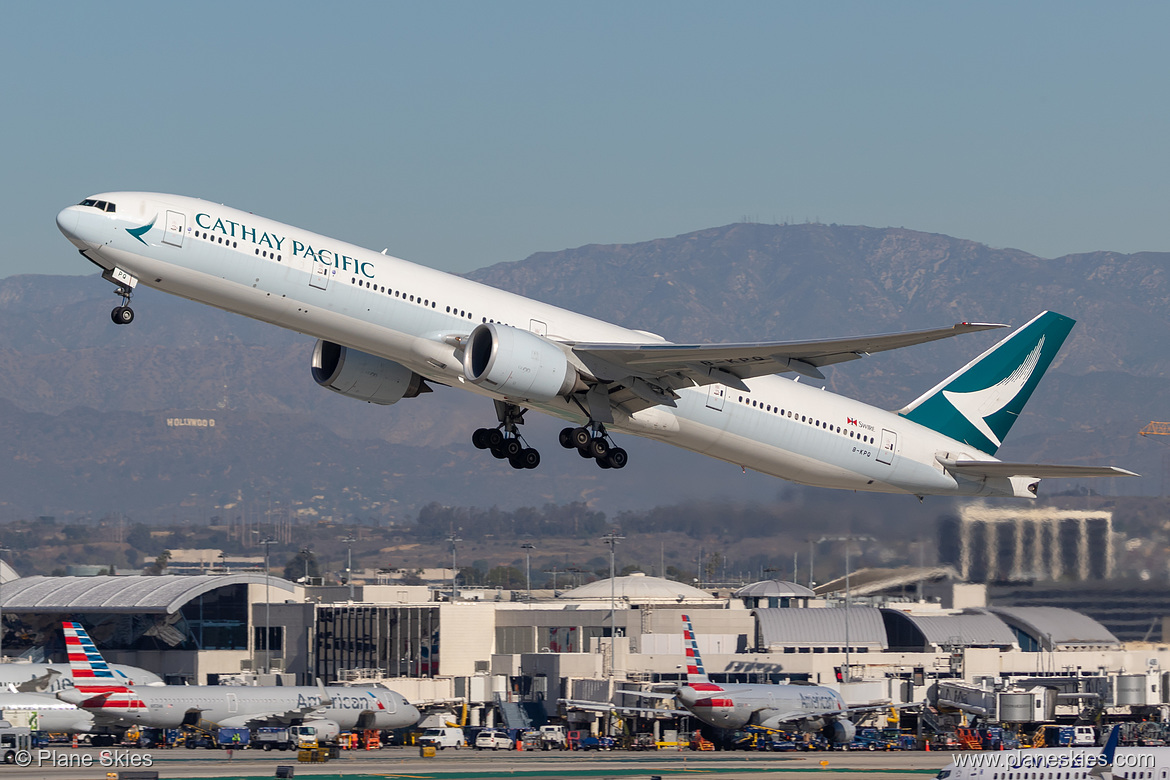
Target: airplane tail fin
point(979, 403)
point(84, 659)
point(695, 671)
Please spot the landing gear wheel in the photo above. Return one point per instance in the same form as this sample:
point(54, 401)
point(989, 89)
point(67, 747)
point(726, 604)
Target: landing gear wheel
point(494, 438)
point(122, 315)
point(598, 448)
point(511, 448)
point(584, 453)
point(529, 457)
point(582, 437)
point(603, 463)
point(566, 438)
point(516, 463)
point(480, 438)
point(617, 458)
point(497, 451)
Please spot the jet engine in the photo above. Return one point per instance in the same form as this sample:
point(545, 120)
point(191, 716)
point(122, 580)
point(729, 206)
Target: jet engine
point(840, 731)
point(517, 363)
point(364, 376)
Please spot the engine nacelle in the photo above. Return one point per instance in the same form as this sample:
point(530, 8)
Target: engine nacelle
point(840, 731)
point(364, 376)
point(517, 364)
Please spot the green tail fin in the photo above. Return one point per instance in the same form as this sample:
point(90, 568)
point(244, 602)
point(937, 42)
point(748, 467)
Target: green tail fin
point(979, 403)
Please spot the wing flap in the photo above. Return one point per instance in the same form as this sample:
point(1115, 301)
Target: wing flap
point(995, 468)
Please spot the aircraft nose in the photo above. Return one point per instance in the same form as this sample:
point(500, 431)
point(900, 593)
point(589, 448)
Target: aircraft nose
point(67, 220)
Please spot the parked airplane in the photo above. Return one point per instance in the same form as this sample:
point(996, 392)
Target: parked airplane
point(50, 678)
point(385, 327)
point(1073, 763)
point(793, 706)
point(804, 706)
point(44, 712)
point(330, 710)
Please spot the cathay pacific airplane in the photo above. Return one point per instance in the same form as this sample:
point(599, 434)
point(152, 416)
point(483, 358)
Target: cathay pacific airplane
point(386, 327)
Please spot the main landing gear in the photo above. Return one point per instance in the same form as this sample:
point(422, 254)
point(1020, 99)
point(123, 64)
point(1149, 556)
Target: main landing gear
point(504, 441)
point(593, 442)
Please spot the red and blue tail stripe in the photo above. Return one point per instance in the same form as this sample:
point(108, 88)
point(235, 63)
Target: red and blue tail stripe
point(87, 663)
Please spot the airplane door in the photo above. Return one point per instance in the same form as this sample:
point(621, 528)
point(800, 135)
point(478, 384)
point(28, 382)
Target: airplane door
point(538, 327)
point(889, 444)
point(232, 703)
point(320, 276)
point(174, 228)
point(716, 395)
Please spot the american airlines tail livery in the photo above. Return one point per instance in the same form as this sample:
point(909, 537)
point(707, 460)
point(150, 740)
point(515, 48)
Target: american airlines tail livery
point(386, 328)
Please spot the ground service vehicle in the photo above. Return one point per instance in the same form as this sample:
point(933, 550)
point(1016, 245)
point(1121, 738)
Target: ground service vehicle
point(444, 737)
point(552, 737)
point(14, 739)
point(274, 738)
point(493, 740)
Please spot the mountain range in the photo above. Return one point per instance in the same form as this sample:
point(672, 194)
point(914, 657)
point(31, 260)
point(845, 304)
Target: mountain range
point(86, 403)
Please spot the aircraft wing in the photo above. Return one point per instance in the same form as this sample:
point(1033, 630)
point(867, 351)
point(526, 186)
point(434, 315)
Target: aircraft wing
point(651, 372)
point(995, 468)
point(601, 706)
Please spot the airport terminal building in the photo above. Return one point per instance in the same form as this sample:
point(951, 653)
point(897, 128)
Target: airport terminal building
point(494, 650)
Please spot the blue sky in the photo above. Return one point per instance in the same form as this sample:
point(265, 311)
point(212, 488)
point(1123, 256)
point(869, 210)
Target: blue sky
point(464, 134)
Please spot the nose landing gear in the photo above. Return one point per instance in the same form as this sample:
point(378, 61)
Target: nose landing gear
point(592, 441)
point(124, 284)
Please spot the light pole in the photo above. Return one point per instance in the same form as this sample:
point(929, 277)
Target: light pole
point(848, 539)
point(453, 539)
point(612, 539)
point(349, 540)
point(528, 547)
point(268, 542)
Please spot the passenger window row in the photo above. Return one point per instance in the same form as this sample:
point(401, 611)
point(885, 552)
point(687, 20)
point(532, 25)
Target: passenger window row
point(215, 239)
point(748, 401)
point(462, 314)
point(266, 254)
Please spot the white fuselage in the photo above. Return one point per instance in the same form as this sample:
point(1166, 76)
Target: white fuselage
point(408, 313)
point(171, 706)
point(51, 714)
point(736, 706)
point(50, 678)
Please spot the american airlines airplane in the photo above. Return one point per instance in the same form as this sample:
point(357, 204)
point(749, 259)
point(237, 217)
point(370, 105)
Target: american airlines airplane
point(793, 706)
point(386, 327)
point(329, 710)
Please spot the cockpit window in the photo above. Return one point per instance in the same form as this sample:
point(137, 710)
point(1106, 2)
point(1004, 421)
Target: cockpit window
point(101, 205)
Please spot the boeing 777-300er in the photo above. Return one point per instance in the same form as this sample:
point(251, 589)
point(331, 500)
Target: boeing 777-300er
point(386, 327)
point(330, 710)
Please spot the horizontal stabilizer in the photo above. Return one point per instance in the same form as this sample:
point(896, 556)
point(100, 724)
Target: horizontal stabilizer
point(995, 468)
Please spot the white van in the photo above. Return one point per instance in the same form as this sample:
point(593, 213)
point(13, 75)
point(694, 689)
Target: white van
point(443, 738)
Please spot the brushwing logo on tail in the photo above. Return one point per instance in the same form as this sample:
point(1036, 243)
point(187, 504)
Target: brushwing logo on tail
point(978, 405)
